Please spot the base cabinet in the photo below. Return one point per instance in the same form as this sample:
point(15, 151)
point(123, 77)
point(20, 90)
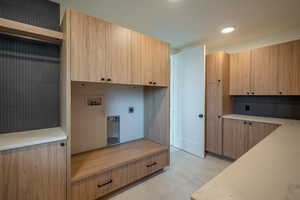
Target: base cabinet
point(240, 136)
point(234, 138)
point(34, 173)
point(99, 185)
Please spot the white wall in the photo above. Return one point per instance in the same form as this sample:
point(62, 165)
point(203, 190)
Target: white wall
point(117, 100)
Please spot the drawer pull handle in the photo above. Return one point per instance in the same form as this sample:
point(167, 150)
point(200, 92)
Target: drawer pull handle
point(152, 164)
point(104, 184)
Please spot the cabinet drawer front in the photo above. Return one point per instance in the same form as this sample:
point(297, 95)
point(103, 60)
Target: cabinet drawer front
point(102, 184)
point(119, 177)
point(138, 169)
point(93, 187)
point(159, 161)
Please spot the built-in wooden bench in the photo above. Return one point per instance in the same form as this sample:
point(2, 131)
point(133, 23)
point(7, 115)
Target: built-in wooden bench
point(97, 173)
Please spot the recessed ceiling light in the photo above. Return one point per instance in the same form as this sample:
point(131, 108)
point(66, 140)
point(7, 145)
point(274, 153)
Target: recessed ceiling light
point(229, 29)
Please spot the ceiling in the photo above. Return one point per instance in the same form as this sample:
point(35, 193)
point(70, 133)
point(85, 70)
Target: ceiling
point(186, 22)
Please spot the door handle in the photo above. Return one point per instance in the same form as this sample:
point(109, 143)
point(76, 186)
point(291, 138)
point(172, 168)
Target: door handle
point(200, 115)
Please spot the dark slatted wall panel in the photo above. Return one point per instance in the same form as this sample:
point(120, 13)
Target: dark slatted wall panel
point(42, 13)
point(29, 70)
point(268, 106)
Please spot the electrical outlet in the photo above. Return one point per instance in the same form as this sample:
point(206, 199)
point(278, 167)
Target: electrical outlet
point(131, 110)
point(247, 107)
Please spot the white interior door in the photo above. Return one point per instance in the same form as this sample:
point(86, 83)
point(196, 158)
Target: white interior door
point(188, 100)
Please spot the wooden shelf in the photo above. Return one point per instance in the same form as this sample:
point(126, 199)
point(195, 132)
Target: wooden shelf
point(13, 27)
point(95, 162)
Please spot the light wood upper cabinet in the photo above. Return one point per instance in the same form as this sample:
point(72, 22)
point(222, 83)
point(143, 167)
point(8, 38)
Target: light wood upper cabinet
point(104, 52)
point(160, 63)
point(289, 68)
point(271, 70)
point(141, 59)
point(118, 54)
point(34, 173)
point(88, 48)
point(264, 71)
point(240, 68)
point(214, 71)
point(137, 60)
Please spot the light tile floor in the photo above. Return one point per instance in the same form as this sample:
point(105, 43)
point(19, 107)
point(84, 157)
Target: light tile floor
point(186, 174)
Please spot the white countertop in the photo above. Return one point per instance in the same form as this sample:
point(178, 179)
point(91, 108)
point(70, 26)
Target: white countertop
point(270, 120)
point(16, 140)
point(270, 170)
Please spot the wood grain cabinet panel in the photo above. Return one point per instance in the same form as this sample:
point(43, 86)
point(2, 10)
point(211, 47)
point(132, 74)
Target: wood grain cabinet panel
point(118, 54)
point(141, 59)
point(159, 161)
point(88, 48)
point(217, 98)
point(160, 63)
point(240, 68)
point(105, 52)
point(213, 137)
point(264, 70)
point(214, 71)
point(97, 185)
point(240, 136)
point(289, 68)
point(271, 70)
point(34, 173)
point(257, 132)
point(234, 138)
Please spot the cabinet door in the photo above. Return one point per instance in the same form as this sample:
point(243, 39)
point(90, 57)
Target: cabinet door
point(147, 60)
point(258, 131)
point(118, 55)
point(34, 173)
point(264, 71)
point(240, 67)
point(138, 43)
point(289, 68)
point(234, 138)
point(87, 48)
point(160, 63)
point(213, 118)
point(214, 64)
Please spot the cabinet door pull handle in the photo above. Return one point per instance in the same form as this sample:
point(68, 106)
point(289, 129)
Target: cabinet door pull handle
point(248, 93)
point(104, 184)
point(152, 164)
point(102, 79)
point(150, 82)
point(250, 123)
point(154, 83)
point(245, 122)
point(280, 92)
point(109, 79)
point(252, 93)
